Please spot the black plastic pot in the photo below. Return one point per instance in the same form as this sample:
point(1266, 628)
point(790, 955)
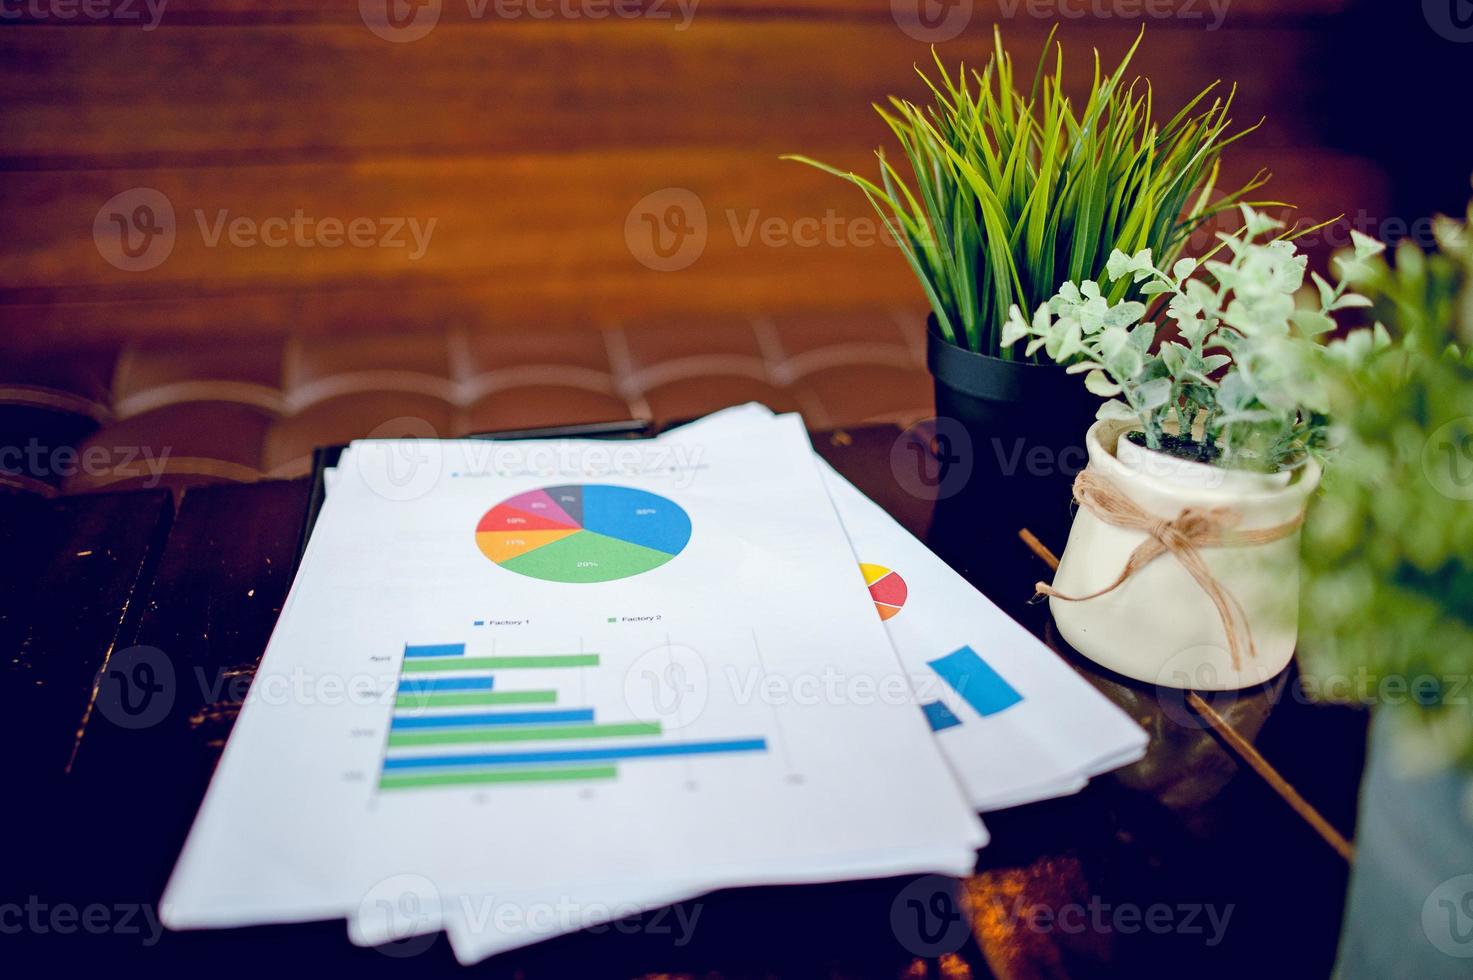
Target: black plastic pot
point(1025, 424)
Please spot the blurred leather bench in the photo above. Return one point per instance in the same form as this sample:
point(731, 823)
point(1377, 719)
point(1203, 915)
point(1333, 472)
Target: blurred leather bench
point(175, 413)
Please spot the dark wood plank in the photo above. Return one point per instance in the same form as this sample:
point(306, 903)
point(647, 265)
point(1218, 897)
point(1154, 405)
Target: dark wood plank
point(75, 575)
point(121, 99)
point(529, 141)
point(220, 583)
point(73, 571)
point(516, 241)
point(222, 13)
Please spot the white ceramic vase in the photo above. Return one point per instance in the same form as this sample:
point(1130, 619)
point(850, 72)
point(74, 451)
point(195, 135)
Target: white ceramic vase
point(1160, 626)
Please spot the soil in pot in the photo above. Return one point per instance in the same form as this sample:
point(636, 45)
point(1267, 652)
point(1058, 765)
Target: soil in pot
point(1189, 462)
point(1174, 445)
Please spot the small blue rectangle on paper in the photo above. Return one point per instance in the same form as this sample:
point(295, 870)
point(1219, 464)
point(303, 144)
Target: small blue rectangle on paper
point(939, 716)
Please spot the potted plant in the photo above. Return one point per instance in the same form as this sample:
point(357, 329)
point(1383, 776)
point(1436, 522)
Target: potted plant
point(1388, 611)
point(1014, 192)
point(1181, 565)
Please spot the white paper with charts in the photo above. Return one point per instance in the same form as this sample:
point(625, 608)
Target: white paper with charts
point(1015, 722)
point(504, 665)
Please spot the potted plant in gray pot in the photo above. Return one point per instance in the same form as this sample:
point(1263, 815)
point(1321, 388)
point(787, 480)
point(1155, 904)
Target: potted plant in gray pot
point(1387, 615)
point(1012, 193)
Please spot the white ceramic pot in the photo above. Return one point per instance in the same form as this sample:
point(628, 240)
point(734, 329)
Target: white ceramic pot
point(1160, 626)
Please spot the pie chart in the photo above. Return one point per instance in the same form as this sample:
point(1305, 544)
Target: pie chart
point(583, 532)
point(887, 588)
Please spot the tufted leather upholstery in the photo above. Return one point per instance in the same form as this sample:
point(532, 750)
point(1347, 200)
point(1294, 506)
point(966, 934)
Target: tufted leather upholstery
point(176, 413)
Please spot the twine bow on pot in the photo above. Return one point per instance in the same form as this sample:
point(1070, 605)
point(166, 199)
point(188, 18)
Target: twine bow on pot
point(1182, 536)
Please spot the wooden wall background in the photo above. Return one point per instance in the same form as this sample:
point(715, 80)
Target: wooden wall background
point(529, 141)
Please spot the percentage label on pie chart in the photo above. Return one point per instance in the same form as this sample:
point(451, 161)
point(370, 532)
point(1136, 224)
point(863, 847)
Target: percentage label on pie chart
point(583, 532)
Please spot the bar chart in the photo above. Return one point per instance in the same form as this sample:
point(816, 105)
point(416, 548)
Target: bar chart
point(975, 681)
point(461, 720)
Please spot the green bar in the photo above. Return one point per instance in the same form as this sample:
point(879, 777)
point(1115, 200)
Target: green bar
point(524, 733)
point(463, 699)
point(495, 776)
point(425, 665)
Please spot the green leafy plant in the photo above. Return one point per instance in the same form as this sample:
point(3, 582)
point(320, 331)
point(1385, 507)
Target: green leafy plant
point(1388, 559)
point(1249, 369)
point(1016, 193)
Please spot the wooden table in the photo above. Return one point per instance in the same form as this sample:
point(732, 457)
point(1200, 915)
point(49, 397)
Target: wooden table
point(1184, 861)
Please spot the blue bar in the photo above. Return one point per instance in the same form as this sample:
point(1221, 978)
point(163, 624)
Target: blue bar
point(435, 650)
point(493, 718)
point(420, 685)
point(981, 686)
point(939, 716)
point(579, 755)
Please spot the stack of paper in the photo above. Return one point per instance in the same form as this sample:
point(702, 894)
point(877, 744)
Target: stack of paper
point(587, 676)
